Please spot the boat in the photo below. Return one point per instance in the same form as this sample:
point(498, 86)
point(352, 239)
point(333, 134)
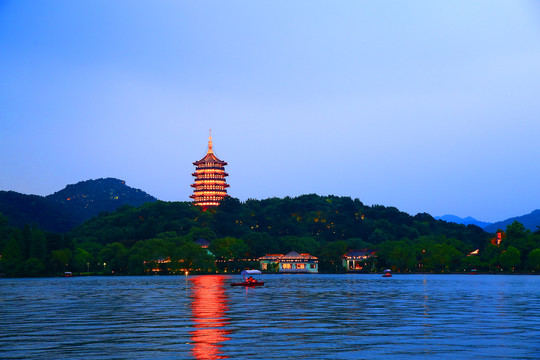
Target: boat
point(387, 273)
point(248, 280)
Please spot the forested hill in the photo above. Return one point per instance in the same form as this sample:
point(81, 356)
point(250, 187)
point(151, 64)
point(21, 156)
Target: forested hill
point(136, 240)
point(325, 226)
point(321, 218)
point(69, 207)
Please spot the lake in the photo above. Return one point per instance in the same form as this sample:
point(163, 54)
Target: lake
point(291, 316)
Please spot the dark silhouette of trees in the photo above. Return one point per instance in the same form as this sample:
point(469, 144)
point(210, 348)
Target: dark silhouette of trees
point(162, 237)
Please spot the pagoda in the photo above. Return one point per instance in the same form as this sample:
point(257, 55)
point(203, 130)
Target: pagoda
point(210, 185)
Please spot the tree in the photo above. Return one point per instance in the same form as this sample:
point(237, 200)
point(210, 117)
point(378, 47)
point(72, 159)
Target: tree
point(38, 245)
point(510, 258)
point(82, 260)
point(114, 258)
point(490, 256)
point(442, 257)
point(192, 257)
point(533, 260)
point(229, 248)
point(330, 256)
point(402, 257)
point(60, 259)
point(378, 236)
point(197, 233)
point(516, 230)
point(301, 244)
point(34, 267)
point(358, 244)
point(260, 244)
point(12, 262)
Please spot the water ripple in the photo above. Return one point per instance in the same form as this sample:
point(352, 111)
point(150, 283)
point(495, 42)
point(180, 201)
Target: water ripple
point(302, 316)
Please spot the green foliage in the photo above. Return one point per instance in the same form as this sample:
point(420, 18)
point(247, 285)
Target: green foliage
point(533, 260)
point(12, 263)
point(229, 248)
point(38, 245)
point(260, 244)
point(510, 258)
point(114, 258)
point(301, 244)
point(160, 238)
point(59, 260)
point(82, 260)
point(330, 255)
point(34, 267)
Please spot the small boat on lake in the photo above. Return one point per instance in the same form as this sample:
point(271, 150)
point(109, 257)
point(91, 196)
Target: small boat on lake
point(387, 273)
point(248, 280)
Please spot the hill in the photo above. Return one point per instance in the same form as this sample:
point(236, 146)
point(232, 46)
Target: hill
point(530, 221)
point(22, 209)
point(163, 237)
point(465, 221)
point(71, 206)
point(325, 226)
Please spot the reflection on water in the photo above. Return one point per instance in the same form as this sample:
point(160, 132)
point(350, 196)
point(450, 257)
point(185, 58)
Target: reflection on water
point(322, 317)
point(208, 308)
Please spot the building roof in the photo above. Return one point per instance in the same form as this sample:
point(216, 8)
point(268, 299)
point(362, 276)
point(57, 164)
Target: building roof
point(210, 156)
point(202, 242)
point(294, 255)
point(359, 254)
point(271, 257)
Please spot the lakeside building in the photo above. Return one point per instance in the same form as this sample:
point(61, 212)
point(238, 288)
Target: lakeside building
point(291, 262)
point(210, 186)
point(356, 260)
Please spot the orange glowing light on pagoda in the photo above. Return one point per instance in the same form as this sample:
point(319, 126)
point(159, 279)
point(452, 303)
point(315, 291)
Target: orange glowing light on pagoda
point(208, 308)
point(210, 185)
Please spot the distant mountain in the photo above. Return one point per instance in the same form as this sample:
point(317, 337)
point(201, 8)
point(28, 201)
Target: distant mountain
point(67, 208)
point(465, 221)
point(530, 221)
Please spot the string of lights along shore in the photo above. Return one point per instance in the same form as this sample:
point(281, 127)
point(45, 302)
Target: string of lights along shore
point(210, 185)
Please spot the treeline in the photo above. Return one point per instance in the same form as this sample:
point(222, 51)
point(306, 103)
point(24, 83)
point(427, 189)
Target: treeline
point(161, 236)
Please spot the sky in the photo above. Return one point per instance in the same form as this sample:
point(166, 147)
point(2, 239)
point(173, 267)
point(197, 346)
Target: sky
point(427, 106)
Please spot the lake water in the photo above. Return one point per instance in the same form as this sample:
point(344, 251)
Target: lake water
point(291, 316)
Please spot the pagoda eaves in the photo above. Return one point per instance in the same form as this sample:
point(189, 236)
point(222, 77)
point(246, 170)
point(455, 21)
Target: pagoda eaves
point(210, 185)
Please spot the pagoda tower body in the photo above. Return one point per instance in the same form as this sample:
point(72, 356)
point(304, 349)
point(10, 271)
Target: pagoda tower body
point(210, 185)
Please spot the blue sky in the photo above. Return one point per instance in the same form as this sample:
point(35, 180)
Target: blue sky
point(428, 106)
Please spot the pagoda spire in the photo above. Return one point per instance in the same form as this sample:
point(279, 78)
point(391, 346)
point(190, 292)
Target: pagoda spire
point(210, 184)
point(210, 150)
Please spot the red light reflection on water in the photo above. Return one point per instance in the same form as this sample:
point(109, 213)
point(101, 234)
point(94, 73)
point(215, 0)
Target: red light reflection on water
point(208, 310)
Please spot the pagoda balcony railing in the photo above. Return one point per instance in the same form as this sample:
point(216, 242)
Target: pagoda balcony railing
point(208, 196)
point(217, 180)
point(225, 185)
point(221, 168)
point(199, 201)
point(216, 175)
point(210, 191)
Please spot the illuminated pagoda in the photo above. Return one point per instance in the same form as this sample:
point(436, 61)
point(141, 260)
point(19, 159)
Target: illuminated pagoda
point(210, 185)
